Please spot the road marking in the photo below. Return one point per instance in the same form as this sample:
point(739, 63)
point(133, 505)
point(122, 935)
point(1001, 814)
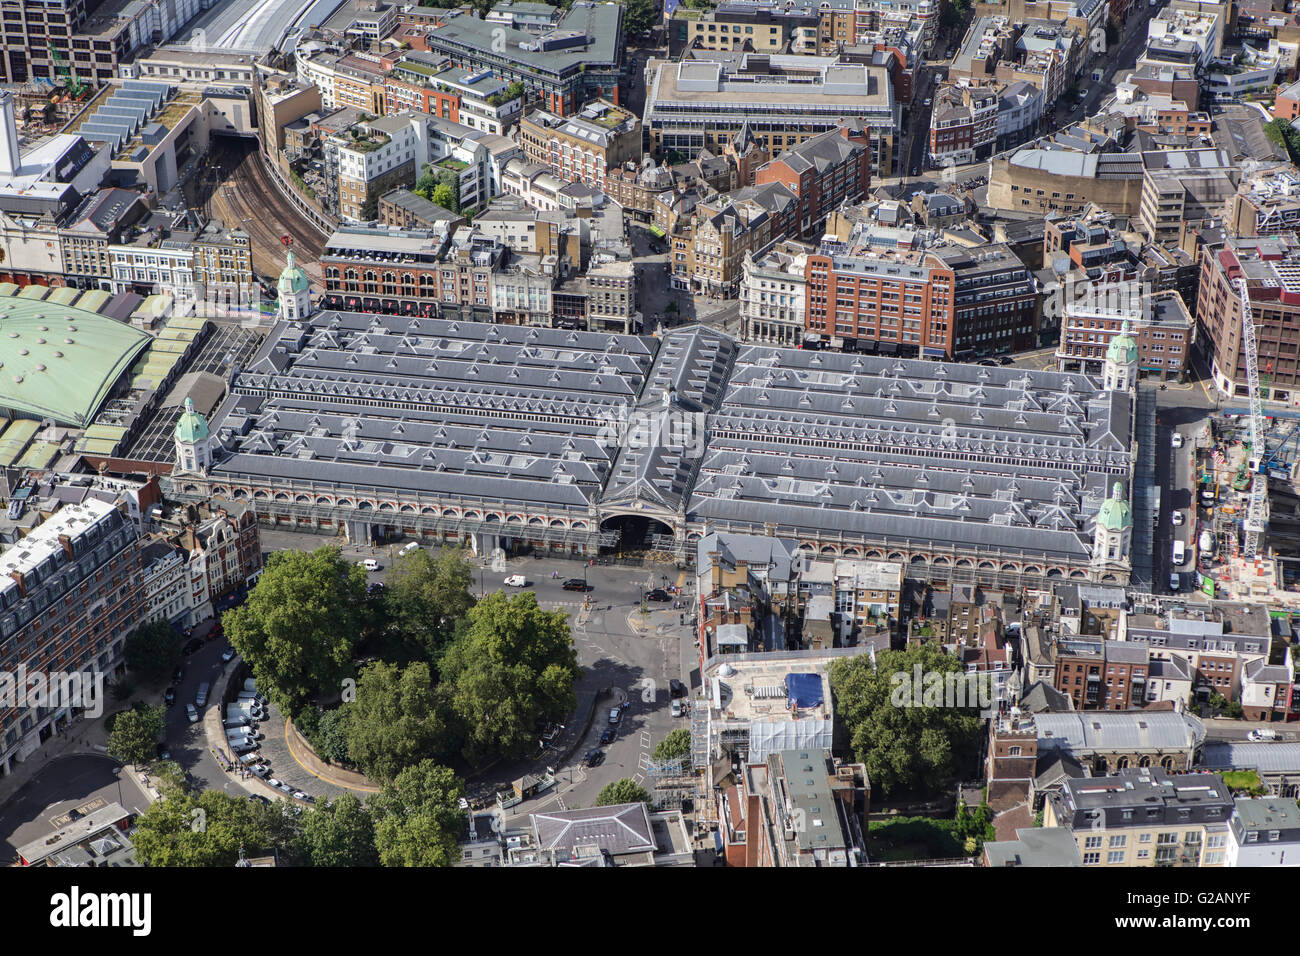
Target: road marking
point(645, 739)
point(638, 778)
point(643, 761)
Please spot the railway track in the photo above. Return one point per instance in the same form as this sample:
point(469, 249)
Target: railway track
point(242, 197)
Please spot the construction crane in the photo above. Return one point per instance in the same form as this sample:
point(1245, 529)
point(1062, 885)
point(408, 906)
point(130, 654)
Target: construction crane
point(1257, 504)
point(75, 87)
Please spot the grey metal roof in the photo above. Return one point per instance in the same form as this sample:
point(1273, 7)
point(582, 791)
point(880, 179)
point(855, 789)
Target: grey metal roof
point(619, 829)
point(431, 406)
point(912, 451)
point(1091, 731)
point(1274, 757)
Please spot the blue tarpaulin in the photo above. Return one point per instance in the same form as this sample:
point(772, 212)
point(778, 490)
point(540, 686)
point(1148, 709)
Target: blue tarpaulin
point(804, 690)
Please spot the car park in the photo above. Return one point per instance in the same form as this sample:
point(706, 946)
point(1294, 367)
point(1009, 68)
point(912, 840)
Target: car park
point(576, 584)
point(192, 713)
point(516, 581)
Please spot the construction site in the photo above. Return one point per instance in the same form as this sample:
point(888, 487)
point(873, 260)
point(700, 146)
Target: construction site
point(45, 106)
point(1246, 503)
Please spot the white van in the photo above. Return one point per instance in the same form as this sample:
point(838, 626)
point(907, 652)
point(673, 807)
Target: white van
point(409, 548)
point(1180, 553)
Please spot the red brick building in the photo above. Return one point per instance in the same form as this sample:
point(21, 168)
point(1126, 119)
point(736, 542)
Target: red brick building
point(824, 172)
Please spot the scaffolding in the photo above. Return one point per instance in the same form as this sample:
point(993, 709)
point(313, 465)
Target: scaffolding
point(1255, 518)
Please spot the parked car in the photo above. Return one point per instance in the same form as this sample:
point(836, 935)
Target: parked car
point(228, 655)
point(516, 581)
point(169, 697)
point(191, 646)
point(257, 798)
point(607, 736)
point(1177, 518)
point(576, 584)
point(676, 688)
point(409, 548)
point(201, 698)
point(1262, 733)
point(192, 713)
point(1005, 360)
point(370, 564)
point(162, 752)
point(1177, 440)
point(615, 714)
point(593, 758)
point(178, 675)
point(300, 795)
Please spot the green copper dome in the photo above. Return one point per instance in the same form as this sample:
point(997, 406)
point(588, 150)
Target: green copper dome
point(1115, 513)
point(192, 426)
point(1123, 348)
point(292, 280)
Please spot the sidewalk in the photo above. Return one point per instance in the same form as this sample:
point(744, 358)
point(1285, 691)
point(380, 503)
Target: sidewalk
point(83, 736)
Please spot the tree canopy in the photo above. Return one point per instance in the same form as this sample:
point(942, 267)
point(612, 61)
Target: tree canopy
point(910, 747)
point(675, 746)
point(427, 596)
point(638, 16)
point(417, 817)
point(622, 791)
point(395, 722)
point(338, 833)
point(298, 628)
point(151, 649)
point(209, 828)
point(513, 668)
point(135, 734)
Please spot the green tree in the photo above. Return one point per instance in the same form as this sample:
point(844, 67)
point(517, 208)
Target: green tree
point(395, 721)
point(332, 738)
point(638, 16)
point(622, 791)
point(905, 745)
point(151, 650)
point(427, 596)
point(205, 829)
point(425, 185)
point(444, 197)
point(676, 745)
point(298, 628)
point(417, 817)
point(135, 734)
point(338, 833)
point(512, 669)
